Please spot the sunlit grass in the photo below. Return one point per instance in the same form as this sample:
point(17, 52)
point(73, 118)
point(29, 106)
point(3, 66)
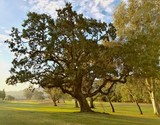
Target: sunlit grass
point(26, 101)
point(40, 107)
point(39, 113)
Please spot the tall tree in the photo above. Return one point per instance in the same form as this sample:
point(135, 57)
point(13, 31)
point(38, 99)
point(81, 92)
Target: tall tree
point(138, 24)
point(66, 53)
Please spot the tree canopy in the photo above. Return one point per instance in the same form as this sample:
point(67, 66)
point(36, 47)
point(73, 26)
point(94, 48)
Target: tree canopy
point(138, 26)
point(66, 52)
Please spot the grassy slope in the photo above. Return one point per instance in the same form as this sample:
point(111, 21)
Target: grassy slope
point(32, 113)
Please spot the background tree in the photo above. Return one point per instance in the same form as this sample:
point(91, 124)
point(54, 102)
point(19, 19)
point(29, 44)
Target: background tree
point(65, 53)
point(38, 95)
point(134, 91)
point(138, 24)
point(108, 97)
point(28, 92)
point(2, 94)
point(55, 94)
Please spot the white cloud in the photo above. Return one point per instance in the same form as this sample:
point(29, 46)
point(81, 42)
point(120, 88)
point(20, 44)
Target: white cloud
point(7, 31)
point(3, 38)
point(99, 9)
point(125, 1)
point(3, 47)
point(46, 6)
point(106, 3)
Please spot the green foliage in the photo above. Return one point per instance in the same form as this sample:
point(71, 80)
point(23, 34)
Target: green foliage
point(38, 95)
point(132, 90)
point(138, 24)
point(55, 94)
point(2, 94)
point(66, 53)
point(157, 91)
point(28, 92)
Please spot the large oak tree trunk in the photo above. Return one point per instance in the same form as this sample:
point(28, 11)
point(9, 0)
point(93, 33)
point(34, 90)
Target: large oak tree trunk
point(78, 94)
point(84, 106)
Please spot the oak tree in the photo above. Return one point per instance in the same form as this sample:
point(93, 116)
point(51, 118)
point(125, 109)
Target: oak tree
point(65, 52)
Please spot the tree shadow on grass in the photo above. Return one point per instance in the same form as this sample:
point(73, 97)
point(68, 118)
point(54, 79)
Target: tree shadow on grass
point(30, 117)
point(33, 114)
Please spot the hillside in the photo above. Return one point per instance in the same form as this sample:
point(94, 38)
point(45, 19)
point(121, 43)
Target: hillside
point(16, 94)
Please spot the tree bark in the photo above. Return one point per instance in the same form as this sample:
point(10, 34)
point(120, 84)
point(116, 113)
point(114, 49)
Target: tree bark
point(113, 110)
point(76, 103)
point(91, 102)
point(135, 100)
point(151, 87)
point(84, 106)
point(58, 101)
point(155, 104)
point(140, 110)
point(54, 101)
point(81, 98)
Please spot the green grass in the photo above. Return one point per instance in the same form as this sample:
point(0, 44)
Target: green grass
point(35, 113)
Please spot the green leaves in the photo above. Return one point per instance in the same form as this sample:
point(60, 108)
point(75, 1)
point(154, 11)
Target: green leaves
point(136, 23)
point(66, 53)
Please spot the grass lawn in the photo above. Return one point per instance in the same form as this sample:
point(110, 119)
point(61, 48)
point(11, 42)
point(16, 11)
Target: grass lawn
point(35, 113)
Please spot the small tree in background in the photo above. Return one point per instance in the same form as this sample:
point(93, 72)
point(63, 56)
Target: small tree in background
point(28, 92)
point(38, 95)
point(2, 94)
point(55, 94)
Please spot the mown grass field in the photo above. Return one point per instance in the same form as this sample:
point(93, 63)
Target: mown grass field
point(40, 113)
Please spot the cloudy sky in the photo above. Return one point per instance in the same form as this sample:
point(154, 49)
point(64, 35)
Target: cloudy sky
point(13, 12)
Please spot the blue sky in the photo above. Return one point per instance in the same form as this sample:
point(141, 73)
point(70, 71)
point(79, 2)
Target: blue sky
point(13, 12)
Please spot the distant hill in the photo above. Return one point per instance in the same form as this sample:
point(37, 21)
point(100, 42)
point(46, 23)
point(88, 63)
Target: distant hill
point(19, 94)
point(16, 94)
